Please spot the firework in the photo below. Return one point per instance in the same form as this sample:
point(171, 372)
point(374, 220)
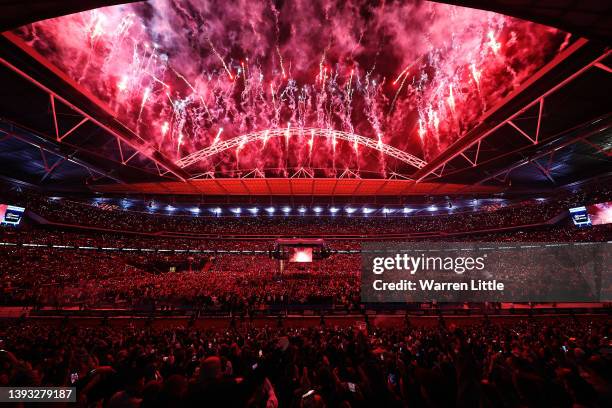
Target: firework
point(217, 137)
point(152, 66)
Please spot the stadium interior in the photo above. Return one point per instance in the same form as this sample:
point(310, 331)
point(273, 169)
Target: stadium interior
point(189, 191)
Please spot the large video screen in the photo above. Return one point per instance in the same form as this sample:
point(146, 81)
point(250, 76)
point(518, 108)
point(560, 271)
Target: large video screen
point(10, 214)
point(580, 216)
point(601, 213)
point(300, 254)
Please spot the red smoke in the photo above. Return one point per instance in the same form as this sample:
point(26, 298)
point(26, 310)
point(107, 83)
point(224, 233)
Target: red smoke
point(416, 76)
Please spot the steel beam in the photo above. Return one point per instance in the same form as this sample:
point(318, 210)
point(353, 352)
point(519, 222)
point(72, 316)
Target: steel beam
point(47, 146)
point(587, 18)
point(16, 13)
point(265, 135)
point(32, 66)
point(567, 66)
point(555, 146)
point(86, 158)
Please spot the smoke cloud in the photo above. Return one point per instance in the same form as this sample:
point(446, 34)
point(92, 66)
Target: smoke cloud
point(188, 74)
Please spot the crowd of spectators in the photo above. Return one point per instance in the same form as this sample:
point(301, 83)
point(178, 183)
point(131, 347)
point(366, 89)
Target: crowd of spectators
point(540, 362)
point(549, 362)
point(229, 282)
point(46, 268)
point(55, 266)
point(74, 212)
point(70, 212)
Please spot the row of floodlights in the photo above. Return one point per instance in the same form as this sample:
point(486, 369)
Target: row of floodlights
point(271, 210)
point(287, 210)
point(299, 210)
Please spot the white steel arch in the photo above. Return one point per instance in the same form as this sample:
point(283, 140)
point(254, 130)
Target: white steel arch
point(265, 135)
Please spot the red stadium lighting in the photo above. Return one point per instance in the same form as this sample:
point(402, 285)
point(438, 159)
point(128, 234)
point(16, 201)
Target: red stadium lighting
point(171, 151)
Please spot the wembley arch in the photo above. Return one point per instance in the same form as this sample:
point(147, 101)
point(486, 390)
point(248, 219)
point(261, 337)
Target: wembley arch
point(288, 132)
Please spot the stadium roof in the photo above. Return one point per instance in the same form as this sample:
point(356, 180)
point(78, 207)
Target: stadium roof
point(553, 130)
point(298, 187)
